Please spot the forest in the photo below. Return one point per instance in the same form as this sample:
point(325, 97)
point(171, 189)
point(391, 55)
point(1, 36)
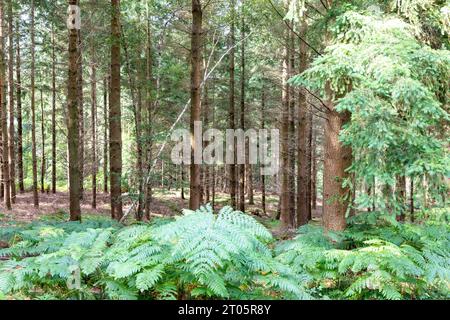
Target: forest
point(224, 150)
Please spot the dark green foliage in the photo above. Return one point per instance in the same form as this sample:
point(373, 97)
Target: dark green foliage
point(200, 255)
point(373, 259)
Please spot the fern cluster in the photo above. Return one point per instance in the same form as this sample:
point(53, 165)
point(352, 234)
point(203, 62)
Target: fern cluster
point(373, 259)
point(199, 255)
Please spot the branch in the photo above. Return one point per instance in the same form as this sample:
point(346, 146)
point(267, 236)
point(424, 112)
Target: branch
point(293, 31)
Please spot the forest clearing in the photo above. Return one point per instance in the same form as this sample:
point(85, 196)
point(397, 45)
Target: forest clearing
point(224, 150)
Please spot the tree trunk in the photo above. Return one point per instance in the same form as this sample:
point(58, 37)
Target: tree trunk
point(81, 112)
point(196, 74)
point(53, 112)
point(115, 123)
point(242, 116)
point(337, 159)
point(4, 114)
point(33, 111)
point(401, 197)
point(231, 115)
point(12, 138)
point(149, 124)
point(43, 160)
point(105, 133)
point(263, 126)
point(285, 195)
point(73, 134)
point(93, 127)
point(19, 112)
point(314, 170)
point(291, 136)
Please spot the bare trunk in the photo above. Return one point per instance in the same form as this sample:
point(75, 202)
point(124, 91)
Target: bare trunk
point(93, 127)
point(53, 112)
point(12, 138)
point(242, 117)
point(231, 113)
point(19, 113)
point(81, 112)
point(4, 115)
point(196, 73)
point(285, 195)
point(263, 126)
point(33, 111)
point(105, 133)
point(73, 123)
point(43, 160)
point(115, 122)
point(337, 159)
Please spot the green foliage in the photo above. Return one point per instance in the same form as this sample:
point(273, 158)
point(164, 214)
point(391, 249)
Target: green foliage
point(200, 255)
point(374, 258)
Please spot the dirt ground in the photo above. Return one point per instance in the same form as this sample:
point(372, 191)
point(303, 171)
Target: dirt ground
point(165, 203)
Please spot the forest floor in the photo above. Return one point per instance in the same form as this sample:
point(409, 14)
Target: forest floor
point(166, 203)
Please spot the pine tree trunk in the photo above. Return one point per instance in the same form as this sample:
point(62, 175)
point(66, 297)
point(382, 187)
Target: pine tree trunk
point(314, 171)
point(43, 160)
point(81, 112)
point(12, 138)
point(73, 131)
point(4, 114)
point(93, 127)
point(105, 133)
point(263, 126)
point(115, 124)
point(19, 112)
point(242, 116)
point(149, 124)
point(285, 203)
point(231, 115)
point(196, 74)
point(33, 110)
point(53, 112)
point(292, 139)
point(337, 159)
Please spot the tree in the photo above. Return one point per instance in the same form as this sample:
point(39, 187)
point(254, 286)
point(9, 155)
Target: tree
point(196, 79)
point(53, 111)
point(4, 114)
point(12, 139)
point(231, 112)
point(93, 126)
point(73, 122)
point(115, 122)
point(19, 111)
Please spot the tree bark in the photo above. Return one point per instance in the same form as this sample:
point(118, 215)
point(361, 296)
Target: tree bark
point(12, 138)
point(196, 74)
point(285, 195)
point(105, 133)
point(19, 112)
point(231, 113)
point(33, 110)
point(115, 122)
point(337, 159)
point(93, 127)
point(53, 112)
point(242, 115)
point(81, 112)
point(43, 159)
point(4, 113)
point(73, 123)
point(263, 126)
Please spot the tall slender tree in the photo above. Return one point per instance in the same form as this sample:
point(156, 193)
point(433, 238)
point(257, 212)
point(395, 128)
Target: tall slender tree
point(19, 110)
point(115, 121)
point(53, 111)
point(12, 138)
point(242, 113)
point(33, 107)
point(4, 113)
point(232, 111)
point(73, 122)
point(93, 125)
point(196, 79)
